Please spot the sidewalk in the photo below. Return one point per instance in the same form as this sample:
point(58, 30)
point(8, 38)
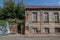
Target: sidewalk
point(35, 35)
point(29, 37)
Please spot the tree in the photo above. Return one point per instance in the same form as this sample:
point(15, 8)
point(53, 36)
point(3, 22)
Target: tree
point(11, 10)
point(1, 14)
point(20, 10)
point(1, 17)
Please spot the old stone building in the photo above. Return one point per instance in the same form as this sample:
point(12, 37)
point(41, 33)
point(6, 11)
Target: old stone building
point(42, 20)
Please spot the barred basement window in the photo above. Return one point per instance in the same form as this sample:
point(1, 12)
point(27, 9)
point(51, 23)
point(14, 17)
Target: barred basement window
point(35, 30)
point(47, 30)
point(57, 30)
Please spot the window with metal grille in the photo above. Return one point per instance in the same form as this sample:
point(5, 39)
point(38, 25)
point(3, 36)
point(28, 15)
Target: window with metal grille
point(47, 30)
point(35, 30)
point(56, 17)
point(34, 17)
point(46, 17)
point(57, 30)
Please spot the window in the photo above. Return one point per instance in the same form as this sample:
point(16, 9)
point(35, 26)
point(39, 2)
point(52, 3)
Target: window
point(35, 30)
point(56, 17)
point(57, 30)
point(47, 30)
point(34, 16)
point(46, 17)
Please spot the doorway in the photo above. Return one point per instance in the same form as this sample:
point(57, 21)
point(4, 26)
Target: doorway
point(19, 29)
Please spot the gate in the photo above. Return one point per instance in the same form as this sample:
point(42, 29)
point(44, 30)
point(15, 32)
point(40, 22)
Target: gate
point(4, 29)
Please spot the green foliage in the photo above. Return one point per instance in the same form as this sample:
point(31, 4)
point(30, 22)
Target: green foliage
point(19, 10)
point(11, 10)
point(2, 22)
point(1, 14)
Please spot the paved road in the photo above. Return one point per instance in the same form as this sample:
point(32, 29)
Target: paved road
point(18, 37)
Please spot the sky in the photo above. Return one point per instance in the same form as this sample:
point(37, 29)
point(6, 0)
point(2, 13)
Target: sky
point(40, 2)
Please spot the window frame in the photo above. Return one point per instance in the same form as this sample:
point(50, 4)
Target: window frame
point(48, 30)
point(34, 20)
point(35, 30)
point(57, 17)
point(46, 14)
point(58, 31)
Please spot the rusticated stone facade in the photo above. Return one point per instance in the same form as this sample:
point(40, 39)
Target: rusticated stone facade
point(17, 28)
point(41, 27)
point(13, 28)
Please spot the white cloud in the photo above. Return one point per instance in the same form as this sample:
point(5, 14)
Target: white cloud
point(59, 2)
